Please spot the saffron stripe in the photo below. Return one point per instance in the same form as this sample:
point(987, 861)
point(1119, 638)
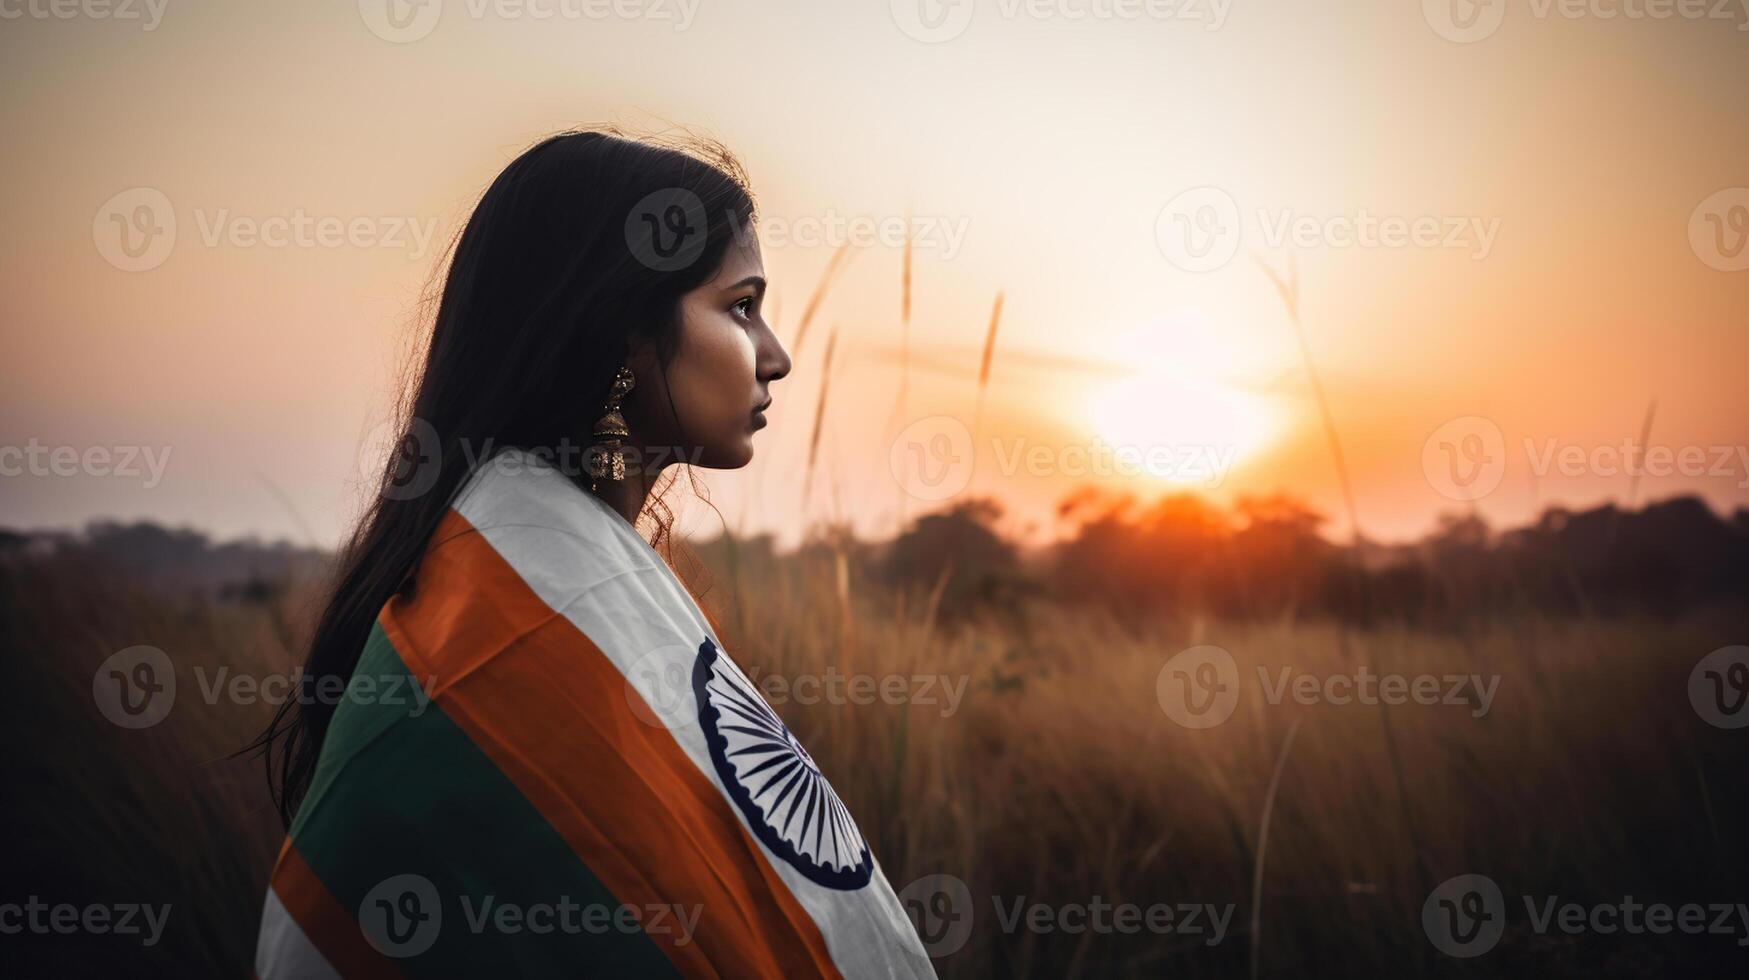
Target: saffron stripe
point(557, 717)
point(400, 790)
point(587, 563)
point(327, 926)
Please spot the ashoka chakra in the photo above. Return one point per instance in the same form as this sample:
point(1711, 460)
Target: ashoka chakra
point(774, 781)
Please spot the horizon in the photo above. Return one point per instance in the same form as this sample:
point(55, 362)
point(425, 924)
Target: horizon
point(1112, 507)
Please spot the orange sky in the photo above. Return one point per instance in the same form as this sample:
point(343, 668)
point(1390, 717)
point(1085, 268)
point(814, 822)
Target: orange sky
point(1563, 163)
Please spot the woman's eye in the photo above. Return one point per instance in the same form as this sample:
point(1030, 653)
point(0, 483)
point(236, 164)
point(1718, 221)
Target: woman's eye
point(743, 307)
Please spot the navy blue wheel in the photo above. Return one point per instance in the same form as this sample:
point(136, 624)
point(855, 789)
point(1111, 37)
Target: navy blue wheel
point(772, 779)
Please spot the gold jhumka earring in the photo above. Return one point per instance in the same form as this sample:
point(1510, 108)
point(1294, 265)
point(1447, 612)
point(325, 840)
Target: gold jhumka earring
point(607, 457)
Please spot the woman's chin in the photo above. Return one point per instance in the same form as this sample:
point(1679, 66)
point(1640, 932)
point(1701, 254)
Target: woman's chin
point(728, 455)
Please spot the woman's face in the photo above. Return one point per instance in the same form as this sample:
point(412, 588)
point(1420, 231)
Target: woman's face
point(710, 397)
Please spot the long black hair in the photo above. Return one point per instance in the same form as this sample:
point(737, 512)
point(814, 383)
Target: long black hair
point(569, 257)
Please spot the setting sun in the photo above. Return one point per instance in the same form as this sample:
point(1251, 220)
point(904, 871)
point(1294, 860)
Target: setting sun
point(1182, 432)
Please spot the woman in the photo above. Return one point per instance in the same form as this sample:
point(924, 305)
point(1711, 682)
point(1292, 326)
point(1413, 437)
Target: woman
point(544, 761)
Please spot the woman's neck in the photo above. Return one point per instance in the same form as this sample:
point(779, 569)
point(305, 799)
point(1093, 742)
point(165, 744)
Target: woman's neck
point(627, 496)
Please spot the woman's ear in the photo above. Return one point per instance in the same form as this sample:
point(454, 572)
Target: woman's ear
point(643, 358)
point(648, 405)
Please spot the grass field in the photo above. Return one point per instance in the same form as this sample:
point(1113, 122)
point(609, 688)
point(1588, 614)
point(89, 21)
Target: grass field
point(1036, 765)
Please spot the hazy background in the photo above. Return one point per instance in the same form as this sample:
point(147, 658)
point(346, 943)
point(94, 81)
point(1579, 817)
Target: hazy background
point(1052, 142)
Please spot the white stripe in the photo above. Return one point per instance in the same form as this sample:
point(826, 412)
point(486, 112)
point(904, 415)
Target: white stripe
point(586, 562)
point(283, 951)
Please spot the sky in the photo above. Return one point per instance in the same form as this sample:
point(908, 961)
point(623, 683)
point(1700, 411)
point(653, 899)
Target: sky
point(1518, 233)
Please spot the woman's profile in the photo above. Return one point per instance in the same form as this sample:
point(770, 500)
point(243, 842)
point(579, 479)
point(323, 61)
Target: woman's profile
point(520, 747)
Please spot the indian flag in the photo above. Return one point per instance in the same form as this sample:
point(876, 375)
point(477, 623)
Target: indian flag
point(547, 763)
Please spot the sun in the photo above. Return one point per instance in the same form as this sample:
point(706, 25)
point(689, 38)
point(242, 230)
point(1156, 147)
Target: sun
point(1182, 432)
point(1171, 414)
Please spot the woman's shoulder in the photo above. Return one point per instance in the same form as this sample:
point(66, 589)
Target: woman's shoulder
point(520, 498)
point(524, 549)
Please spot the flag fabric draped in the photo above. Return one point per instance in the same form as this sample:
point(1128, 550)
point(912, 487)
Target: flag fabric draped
point(546, 763)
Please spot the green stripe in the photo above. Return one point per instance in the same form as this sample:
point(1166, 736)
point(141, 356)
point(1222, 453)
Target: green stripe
point(400, 789)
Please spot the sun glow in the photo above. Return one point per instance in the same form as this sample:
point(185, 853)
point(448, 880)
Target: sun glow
point(1185, 428)
point(1183, 433)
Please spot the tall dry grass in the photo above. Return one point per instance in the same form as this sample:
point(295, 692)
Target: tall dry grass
point(1059, 777)
point(96, 813)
